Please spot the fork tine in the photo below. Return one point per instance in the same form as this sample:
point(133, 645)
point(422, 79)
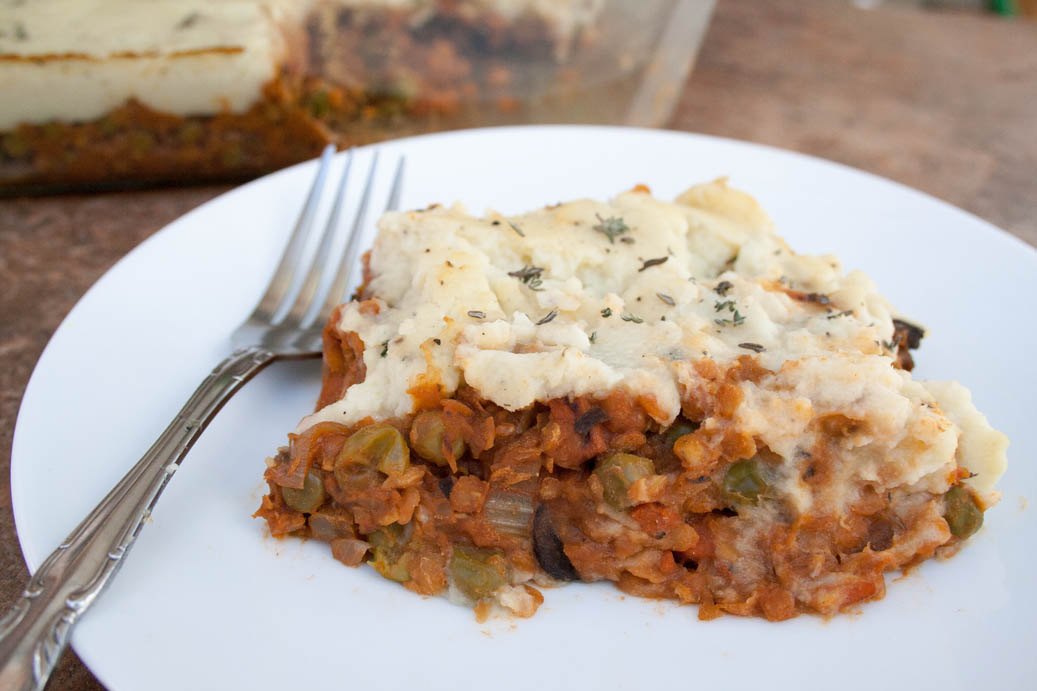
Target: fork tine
point(305, 299)
point(337, 289)
point(281, 281)
point(397, 186)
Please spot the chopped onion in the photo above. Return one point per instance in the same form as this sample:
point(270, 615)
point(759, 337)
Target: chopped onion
point(510, 510)
point(349, 551)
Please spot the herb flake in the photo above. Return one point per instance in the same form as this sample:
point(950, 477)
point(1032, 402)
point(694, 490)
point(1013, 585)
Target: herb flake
point(188, 21)
point(649, 263)
point(736, 318)
point(755, 347)
point(631, 318)
point(530, 275)
point(666, 298)
point(818, 298)
point(723, 287)
point(476, 314)
point(514, 226)
point(548, 317)
point(385, 349)
point(612, 227)
point(607, 312)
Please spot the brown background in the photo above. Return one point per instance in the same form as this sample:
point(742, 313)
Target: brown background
point(946, 103)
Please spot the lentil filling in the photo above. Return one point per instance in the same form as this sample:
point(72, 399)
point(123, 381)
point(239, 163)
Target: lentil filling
point(485, 504)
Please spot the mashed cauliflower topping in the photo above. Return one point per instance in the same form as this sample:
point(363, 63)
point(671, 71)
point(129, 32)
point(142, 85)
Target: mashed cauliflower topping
point(586, 298)
point(75, 60)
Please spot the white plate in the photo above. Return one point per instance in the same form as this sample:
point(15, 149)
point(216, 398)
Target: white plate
point(208, 601)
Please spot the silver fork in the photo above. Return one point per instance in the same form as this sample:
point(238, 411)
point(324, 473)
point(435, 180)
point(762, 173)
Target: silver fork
point(286, 323)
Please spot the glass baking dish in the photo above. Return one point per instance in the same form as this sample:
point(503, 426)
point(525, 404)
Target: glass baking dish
point(115, 93)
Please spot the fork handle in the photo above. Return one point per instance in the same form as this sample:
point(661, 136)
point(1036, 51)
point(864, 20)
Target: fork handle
point(34, 633)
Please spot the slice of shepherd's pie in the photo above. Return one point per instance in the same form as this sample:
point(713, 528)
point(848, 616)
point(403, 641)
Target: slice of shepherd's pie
point(661, 395)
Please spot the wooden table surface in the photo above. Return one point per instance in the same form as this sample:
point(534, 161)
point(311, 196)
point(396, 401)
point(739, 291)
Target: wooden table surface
point(946, 103)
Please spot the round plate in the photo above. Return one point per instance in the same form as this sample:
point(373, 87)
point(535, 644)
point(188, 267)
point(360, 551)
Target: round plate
point(208, 600)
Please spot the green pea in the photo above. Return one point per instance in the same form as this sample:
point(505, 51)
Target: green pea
point(390, 558)
point(742, 483)
point(677, 430)
point(14, 145)
point(191, 133)
point(307, 499)
point(390, 537)
point(618, 473)
point(108, 126)
point(961, 512)
point(403, 87)
point(141, 143)
point(426, 438)
point(320, 104)
point(232, 156)
point(375, 446)
point(478, 572)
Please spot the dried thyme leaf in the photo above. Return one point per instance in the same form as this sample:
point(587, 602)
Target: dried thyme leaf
point(476, 314)
point(612, 227)
point(666, 298)
point(736, 318)
point(607, 312)
point(632, 318)
point(723, 287)
point(818, 298)
point(188, 21)
point(548, 317)
point(755, 347)
point(594, 336)
point(530, 275)
point(649, 263)
point(518, 230)
point(385, 349)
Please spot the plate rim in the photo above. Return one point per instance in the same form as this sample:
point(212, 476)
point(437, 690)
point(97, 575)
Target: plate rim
point(18, 468)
